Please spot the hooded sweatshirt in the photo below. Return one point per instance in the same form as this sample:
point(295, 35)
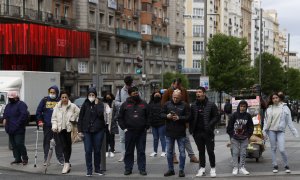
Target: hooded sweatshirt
point(45, 109)
point(240, 126)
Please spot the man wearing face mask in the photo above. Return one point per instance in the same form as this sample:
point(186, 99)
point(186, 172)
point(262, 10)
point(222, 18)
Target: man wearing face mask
point(15, 119)
point(133, 119)
point(91, 126)
point(43, 115)
point(204, 117)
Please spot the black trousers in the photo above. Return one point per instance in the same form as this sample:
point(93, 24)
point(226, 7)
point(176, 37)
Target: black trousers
point(206, 141)
point(110, 140)
point(135, 139)
point(66, 142)
point(48, 135)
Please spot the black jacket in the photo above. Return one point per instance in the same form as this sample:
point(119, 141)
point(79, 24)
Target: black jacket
point(133, 115)
point(155, 110)
point(176, 129)
point(240, 125)
point(210, 117)
point(91, 117)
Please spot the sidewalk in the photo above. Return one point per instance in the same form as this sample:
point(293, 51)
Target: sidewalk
point(157, 166)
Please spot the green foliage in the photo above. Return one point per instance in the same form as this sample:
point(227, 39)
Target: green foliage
point(169, 77)
point(228, 64)
point(273, 75)
point(293, 83)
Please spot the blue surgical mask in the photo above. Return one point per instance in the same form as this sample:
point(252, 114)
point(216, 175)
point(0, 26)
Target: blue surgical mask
point(52, 96)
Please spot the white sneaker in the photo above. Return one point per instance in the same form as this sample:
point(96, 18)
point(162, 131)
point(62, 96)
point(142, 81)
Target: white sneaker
point(163, 154)
point(111, 154)
point(235, 171)
point(121, 159)
point(106, 154)
point(153, 154)
point(201, 172)
point(213, 172)
point(244, 171)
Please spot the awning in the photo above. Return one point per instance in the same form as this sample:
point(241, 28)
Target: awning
point(33, 39)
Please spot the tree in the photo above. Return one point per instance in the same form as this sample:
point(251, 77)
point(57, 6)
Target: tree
point(273, 75)
point(169, 77)
point(293, 83)
point(228, 64)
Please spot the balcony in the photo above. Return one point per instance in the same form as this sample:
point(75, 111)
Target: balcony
point(160, 40)
point(124, 33)
point(106, 28)
point(120, 9)
point(135, 14)
point(190, 71)
point(34, 15)
point(198, 52)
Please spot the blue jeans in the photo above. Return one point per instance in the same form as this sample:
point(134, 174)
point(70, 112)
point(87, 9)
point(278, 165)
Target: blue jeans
point(159, 133)
point(239, 149)
point(278, 137)
point(92, 143)
point(170, 148)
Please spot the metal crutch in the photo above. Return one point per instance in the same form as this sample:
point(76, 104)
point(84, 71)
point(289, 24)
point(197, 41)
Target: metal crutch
point(36, 145)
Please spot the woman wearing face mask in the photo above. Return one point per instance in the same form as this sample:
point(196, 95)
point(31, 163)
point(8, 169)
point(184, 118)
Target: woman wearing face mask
point(157, 124)
point(111, 125)
point(64, 114)
point(277, 117)
point(91, 126)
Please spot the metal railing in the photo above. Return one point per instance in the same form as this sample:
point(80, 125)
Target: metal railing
point(34, 15)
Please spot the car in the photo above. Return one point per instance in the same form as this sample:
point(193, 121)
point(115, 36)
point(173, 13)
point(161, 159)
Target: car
point(79, 101)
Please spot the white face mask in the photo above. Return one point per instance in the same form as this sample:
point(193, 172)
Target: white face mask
point(52, 96)
point(91, 99)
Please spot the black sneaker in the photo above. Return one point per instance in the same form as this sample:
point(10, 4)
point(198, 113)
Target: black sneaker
point(16, 162)
point(287, 169)
point(275, 169)
point(169, 173)
point(25, 162)
point(181, 173)
point(143, 173)
point(127, 172)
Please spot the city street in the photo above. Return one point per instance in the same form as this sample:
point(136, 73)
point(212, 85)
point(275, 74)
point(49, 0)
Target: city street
point(155, 166)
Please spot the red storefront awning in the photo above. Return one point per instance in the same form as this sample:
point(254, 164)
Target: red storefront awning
point(33, 39)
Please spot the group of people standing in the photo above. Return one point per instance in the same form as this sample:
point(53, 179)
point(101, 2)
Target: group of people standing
point(169, 114)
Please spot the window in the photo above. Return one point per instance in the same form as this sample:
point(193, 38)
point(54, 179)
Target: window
point(198, 30)
point(126, 47)
point(105, 67)
point(83, 67)
point(68, 64)
point(118, 47)
point(129, 4)
point(198, 1)
point(147, 7)
point(129, 27)
point(182, 63)
point(198, 46)
point(92, 17)
point(102, 20)
point(134, 27)
point(94, 67)
point(159, 68)
point(196, 63)
point(127, 68)
point(110, 20)
point(151, 69)
point(124, 24)
point(83, 91)
point(66, 11)
point(118, 68)
point(57, 14)
point(198, 12)
point(117, 23)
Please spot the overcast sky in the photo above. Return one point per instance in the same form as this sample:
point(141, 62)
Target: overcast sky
point(288, 15)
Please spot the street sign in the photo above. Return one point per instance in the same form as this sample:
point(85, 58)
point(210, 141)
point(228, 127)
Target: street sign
point(204, 82)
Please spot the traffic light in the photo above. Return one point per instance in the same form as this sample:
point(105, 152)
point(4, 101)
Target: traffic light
point(139, 65)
